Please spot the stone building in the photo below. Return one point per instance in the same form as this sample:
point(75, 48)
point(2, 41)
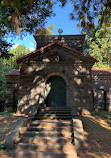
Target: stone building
point(56, 74)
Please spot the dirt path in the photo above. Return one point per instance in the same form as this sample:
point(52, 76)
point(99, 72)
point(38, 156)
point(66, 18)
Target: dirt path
point(97, 131)
point(6, 122)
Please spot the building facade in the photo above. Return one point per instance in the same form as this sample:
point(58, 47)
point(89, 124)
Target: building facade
point(57, 74)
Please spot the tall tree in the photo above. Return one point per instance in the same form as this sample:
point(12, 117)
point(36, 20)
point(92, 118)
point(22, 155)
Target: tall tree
point(25, 15)
point(89, 10)
point(30, 14)
point(18, 52)
point(21, 16)
point(98, 41)
point(8, 64)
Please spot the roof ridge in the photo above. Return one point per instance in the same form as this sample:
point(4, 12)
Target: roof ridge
point(59, 44)
point(101, 69)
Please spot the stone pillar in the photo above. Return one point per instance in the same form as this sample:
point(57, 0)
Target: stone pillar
point(109, 100)
point(9, 97)
point(99, 101)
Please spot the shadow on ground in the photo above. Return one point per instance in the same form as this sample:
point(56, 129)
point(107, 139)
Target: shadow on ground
point(97, 132)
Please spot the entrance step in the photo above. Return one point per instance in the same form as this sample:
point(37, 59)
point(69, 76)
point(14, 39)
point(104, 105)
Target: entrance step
point(52, 117)
point(47, 140)
point(54, 112)
point(45, 147)
point(51, 114)
point(40, 154)
point(50, 123)
point(49, 135)
point(55, 109)
point(34, 128)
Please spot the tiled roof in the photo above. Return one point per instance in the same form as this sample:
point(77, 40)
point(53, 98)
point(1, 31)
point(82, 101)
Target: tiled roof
point(63, 45)
point(15, 72)
point(101, 71)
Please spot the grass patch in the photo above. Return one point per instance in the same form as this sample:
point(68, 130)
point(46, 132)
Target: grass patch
point(4, 114)
point(105, 114)
point(2, 147)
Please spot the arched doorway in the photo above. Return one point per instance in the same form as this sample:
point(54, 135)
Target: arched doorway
point(55, 92)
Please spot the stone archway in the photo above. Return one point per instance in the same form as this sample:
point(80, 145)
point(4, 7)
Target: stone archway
point(55, 92)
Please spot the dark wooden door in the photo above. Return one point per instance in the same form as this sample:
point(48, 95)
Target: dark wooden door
point(56, 92)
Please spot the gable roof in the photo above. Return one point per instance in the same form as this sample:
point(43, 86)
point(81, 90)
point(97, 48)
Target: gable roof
point(51, 44)
point(15, 72)
point(101, 71)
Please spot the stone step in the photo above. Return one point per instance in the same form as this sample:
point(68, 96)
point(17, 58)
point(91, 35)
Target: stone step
point(52, 117)
point(46, 140)
point(56, 108)
point(41, 154)
point(45, 147)
point(48, 129)
point(48, 134)
point(54, 112)
point(38, 123)
point(55, 121)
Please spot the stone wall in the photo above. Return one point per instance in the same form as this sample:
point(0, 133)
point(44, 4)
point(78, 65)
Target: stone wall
point(34, 75)
point(78, 78)
point(101, 85)
point(12, 92)
point(37, 67)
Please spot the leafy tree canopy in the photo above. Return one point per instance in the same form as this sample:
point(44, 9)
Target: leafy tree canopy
point(21, 16)
point(98, 42)
point(27, 15)
point(6, 65)
point(24, 15)
point(87, 10)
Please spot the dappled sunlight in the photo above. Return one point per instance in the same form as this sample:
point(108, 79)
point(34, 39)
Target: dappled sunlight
point(6, 122)
point(100, 121)
point(48, 133)
point(97, 131)
point(36, 71)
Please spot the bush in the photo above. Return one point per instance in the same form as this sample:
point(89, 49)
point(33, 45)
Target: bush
point(2, 105)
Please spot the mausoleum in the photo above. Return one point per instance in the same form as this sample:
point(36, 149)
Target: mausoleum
point(56, 74)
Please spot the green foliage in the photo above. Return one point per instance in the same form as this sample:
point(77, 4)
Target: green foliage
point(19, 51)
point(4, 69)
point(2, 147)
point(5, 114)
point(90, 9)
point(20, 17)
point(44, 33)
point(106, 114)
point(25, 15)
point(98, 43)
point(6, 65)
